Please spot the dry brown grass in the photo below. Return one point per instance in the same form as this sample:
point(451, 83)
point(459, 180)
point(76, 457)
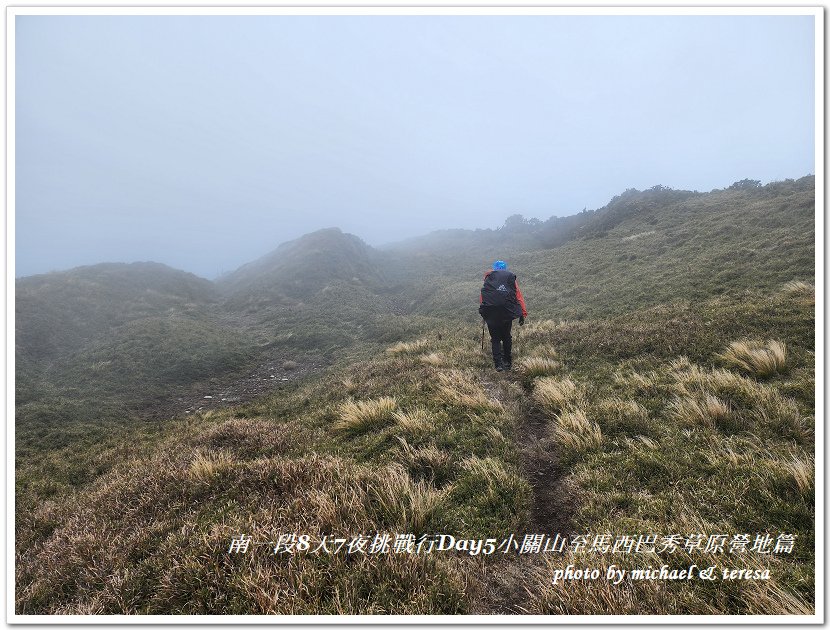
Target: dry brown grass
point(428, 463)
point(633, 380)
point(495, 474)
point(574, 431)
point(541, 326)
point(409, 506)
point(544, 350)
point(755, 357)
point(745, 403)
point(555, 393)
point(151, 539)
point(414, 421)
point(533, 367)
point(622, 415)
point(362, 415)
point(652, 597)
point(206, 466)
point(433, 358)
point(245, 438)
point(802, 472)
point(460, 388)
point(408, 347)
point(798, 286)
point(704, 410)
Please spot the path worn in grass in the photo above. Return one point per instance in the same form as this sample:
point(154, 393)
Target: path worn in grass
point(553, 504)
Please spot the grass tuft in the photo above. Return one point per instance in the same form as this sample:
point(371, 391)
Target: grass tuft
point(798, 286)
point(415, 421)
point(706, 410)
point(433, 358)
point(756, 358)
point(357, 416)
point(573, 430)
point(533, 367)
point(206, 466)
point(616, 415)
point(427, 463)
point(554, 394)
point(457, 387)
point(408, 347)
point(801, 471)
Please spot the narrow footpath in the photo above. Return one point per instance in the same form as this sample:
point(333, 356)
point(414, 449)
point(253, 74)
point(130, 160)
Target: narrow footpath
point(553, 498)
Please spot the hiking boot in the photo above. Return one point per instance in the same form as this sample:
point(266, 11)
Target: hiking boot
point(508, 363)
point(499, 365)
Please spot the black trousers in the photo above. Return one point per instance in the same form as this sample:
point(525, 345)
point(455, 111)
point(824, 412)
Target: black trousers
point(501, 340)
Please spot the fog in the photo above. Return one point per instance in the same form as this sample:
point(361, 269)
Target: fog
point(204, 142)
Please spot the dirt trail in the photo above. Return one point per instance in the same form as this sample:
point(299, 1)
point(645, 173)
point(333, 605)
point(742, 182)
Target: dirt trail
point(553, 498)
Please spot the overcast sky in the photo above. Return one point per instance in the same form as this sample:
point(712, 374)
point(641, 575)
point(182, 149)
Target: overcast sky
point(204, 142)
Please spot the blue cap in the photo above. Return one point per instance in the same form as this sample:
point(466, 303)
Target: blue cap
point(499, 264)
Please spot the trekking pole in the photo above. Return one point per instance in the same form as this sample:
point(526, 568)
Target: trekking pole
point(482, 334)
point(516, 351)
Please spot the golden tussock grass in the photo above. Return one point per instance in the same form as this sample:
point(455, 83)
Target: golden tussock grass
point(362, 415)
point(426, 462)
point(741, 402)
point(692, 379)
point(755, 357)
point(802, 472)
point(408, 347)
point(456, 387)
point(555, 393)
point(622, 415)
point(573, 430)
point(433, 358)
point(406, 505)
point(416, 420)
point(532, 367)
point(206, 466)
point(705, 410)
point(636, 382)
point(798, 286)
point(496, 480)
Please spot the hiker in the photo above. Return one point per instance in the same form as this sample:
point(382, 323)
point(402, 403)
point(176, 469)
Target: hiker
point(501, 302)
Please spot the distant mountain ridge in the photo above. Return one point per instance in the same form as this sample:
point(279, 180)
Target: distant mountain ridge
point(307, 265)
point(74, 306)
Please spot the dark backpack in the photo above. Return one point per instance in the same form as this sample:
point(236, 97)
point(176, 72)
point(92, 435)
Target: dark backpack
point(498, 295)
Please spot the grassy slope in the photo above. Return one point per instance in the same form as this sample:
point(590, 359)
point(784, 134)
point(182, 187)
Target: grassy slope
point(647, 248)
point(439, 455)
point(691, 444)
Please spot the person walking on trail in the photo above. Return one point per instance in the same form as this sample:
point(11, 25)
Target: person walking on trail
point(500, 303)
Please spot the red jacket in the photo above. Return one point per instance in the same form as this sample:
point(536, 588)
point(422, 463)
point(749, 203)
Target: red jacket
point(519, 296)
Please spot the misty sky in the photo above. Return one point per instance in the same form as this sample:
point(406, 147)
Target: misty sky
point(204, 142)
